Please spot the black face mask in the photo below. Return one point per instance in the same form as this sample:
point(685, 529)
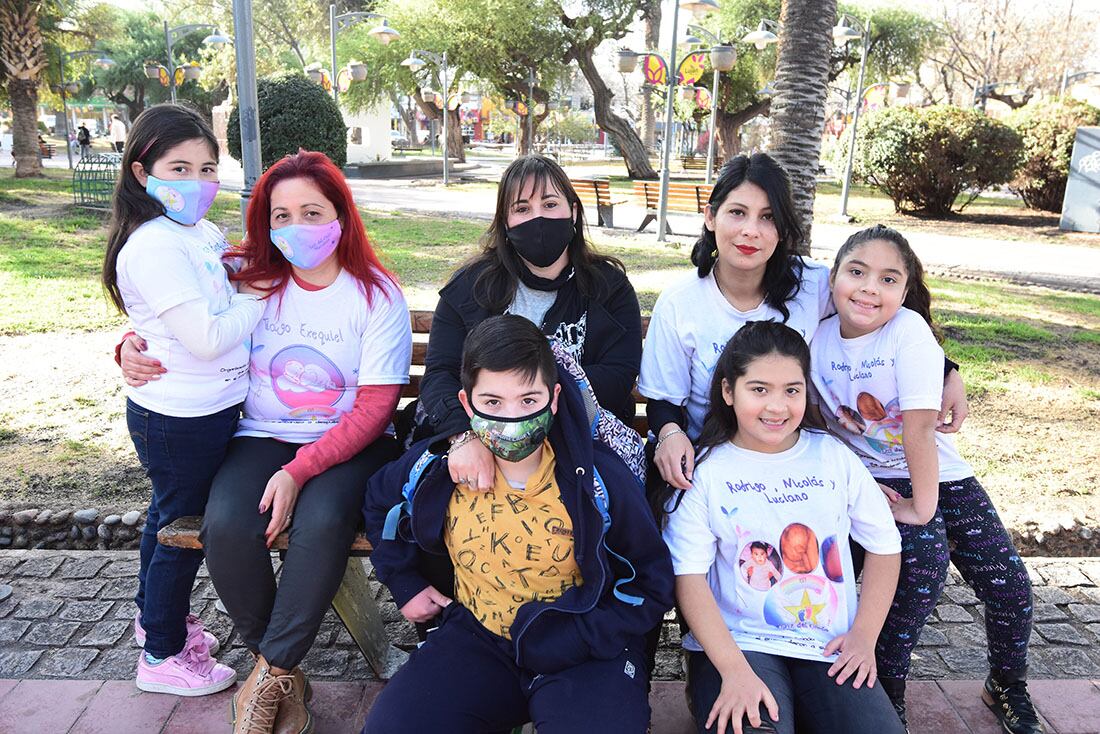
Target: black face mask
point(541, 241)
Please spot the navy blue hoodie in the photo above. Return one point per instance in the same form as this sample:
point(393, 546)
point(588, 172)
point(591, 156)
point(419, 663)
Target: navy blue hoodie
point(587, 621)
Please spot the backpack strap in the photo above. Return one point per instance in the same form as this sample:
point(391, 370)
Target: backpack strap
point(603, 504)
point(393, 517)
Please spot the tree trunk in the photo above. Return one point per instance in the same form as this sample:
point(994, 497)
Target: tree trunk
point(729, 126)
point(652, 12)
point(456, 149)
point(24, 105)
point(798, 108)
point(407, 117)
point(635, 155)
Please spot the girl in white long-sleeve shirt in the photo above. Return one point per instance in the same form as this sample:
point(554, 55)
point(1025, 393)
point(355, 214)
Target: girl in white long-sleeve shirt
point(163, 268)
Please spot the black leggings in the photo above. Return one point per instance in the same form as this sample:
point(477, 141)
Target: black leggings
point(281, 621)
point(966, 530)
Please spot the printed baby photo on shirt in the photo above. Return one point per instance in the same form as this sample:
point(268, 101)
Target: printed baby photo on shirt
point(760, 565)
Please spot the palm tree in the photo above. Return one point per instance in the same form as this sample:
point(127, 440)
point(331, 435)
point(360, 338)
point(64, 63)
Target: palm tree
point(23, 57)
point(798, 108)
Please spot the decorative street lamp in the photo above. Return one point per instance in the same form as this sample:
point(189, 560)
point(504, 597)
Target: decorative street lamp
point(722, 58)
point(415, 62)
point(843, 32)
point(764, 35)
point(1068, 78)
point(176, 76)
point(628, 61)
point(336, 23)
point(69, 88)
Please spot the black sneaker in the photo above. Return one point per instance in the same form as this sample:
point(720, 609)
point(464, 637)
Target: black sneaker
point(1011, 704)
point(895, 690)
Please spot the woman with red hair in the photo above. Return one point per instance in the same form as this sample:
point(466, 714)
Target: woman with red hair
point(327, 362)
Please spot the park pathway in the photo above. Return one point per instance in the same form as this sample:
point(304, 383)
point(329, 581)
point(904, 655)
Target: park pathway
point(67, 654)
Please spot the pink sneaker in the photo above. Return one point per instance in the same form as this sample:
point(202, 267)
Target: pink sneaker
point(190, 673)
point(195, 633)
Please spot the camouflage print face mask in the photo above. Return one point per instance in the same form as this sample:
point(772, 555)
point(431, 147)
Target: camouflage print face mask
point(512, 439)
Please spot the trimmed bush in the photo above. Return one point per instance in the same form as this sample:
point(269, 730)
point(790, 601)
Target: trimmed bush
point(1048, 130)
point(294, 113)
point(925, 158)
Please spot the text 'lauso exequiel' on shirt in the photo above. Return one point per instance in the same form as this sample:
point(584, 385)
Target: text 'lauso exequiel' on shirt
point(312, 349)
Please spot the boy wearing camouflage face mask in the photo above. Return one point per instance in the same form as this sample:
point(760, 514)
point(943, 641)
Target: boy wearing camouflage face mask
point(559, 568)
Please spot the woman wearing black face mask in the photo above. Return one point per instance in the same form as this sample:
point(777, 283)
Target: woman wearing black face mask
point(534, 263)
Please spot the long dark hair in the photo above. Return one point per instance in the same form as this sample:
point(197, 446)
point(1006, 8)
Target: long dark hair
point(752, 341)
point(495, 287)
point(153, 133)
point(917, 296)
point(783, 272)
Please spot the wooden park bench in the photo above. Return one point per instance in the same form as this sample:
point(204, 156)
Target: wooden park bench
point(596, 193)
point(682, 197)
point(699, 162)
point(355, 604)
point(47, 150)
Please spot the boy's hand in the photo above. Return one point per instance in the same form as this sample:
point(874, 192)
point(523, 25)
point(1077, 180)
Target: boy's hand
point(425, 605)
point(857, 658)
point(473, 465)
point(741, 696)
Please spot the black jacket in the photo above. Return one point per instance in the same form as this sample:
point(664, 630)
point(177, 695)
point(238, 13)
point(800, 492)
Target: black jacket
point(587, 621)
point(610, 327)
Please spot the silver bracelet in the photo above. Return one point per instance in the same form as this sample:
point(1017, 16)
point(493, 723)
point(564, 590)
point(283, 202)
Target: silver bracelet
point(461, 441)
point(670, 434)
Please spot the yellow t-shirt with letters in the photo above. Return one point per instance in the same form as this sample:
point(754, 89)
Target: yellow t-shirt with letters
point(510, 546)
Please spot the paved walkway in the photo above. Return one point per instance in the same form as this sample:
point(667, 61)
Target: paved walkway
point(67, 628)
point(117, 707)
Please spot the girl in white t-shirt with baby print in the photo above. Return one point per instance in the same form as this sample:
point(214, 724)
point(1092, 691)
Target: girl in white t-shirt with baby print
point(163, 267)
point(772, 500)
point(876, 373)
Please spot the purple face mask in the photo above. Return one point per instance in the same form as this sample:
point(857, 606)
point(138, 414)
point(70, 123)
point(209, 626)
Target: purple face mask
point(185, 202)
point(307, 245)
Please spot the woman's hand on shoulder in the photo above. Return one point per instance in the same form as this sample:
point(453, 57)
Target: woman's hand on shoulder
point(137, 369)
point(741, 697)
point(281, 495)
point(675, 457)
point(856, 661)
point(472, 464)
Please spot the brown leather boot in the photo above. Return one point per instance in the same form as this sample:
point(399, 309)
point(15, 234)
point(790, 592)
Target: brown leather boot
point(256, 704)
point(294, 716)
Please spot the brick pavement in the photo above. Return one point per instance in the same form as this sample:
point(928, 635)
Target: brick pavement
point(70, 616)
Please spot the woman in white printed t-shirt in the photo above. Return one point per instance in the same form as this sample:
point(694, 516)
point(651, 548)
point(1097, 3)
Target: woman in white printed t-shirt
point(748, 269)
point(328, 360)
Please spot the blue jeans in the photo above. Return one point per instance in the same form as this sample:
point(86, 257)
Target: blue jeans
point(180, 457)
point(810, 702)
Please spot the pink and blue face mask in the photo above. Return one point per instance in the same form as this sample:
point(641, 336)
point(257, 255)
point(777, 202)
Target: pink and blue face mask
point(307, 245)
point(186, 201)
